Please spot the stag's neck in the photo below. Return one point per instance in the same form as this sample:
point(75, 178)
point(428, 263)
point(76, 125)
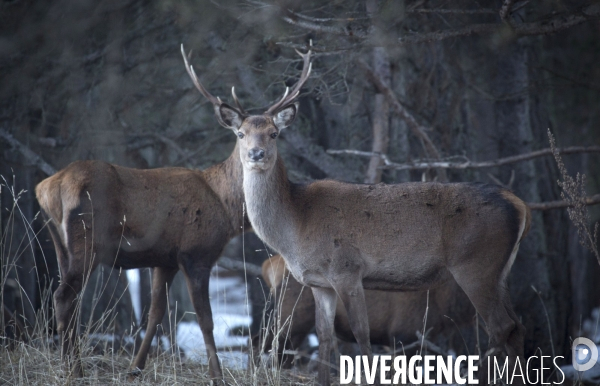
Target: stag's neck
point(225, 179)
point(269, 206)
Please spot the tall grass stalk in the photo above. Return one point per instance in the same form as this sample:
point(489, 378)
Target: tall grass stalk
point(34, 358)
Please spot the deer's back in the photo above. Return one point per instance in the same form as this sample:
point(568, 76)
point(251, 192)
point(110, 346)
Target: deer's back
point(151, 213)
point(403, 236)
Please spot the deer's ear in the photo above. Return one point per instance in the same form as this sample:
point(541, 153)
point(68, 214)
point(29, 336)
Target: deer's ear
point(285, 117)
point(228, 116)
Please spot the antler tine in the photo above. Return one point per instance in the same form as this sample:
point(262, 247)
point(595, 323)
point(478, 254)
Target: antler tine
point(279, 102)
point(289, 97)
point(192, 74)
point(237, 102)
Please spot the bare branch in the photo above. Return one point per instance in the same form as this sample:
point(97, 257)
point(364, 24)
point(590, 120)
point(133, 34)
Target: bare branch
point(289, 97)
point(592, 200)
point(453, 11)
point(423, 343)
point(418, 130)
point(361, 153)
point(322, 50)
point(315, 27)
point(547, 25)
point(328, 19)
point(314, 24)
point(553, 24)
point(169, 142)
point(313, 153)
point(468, 164)
point(31, 157)
point(505, 11)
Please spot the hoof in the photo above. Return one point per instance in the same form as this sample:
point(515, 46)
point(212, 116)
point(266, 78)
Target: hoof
point(133, 374)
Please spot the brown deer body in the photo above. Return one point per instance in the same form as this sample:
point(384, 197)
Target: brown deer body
point(341, 238)
point(170, 219)
point(394, 317)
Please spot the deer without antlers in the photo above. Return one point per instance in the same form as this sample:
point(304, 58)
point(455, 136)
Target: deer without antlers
point(394, 317)
point(341, 238)
point(170, 219)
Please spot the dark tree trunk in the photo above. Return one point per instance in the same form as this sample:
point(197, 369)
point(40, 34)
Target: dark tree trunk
point(380, 117)
point(540, 264)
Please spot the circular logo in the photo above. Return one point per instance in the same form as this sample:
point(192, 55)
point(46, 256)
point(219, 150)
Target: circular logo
point(585, 354)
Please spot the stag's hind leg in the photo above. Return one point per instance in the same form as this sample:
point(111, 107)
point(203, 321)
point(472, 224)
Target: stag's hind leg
point(325, 305)
point(490, 297)
point(161, 281)
point(515, 344)
point(352, 294)
point(65, 308)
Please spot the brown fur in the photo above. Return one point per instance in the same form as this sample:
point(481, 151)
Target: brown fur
point(394, 317)
point(341, 238)
point(168, 219)
point(523, 209)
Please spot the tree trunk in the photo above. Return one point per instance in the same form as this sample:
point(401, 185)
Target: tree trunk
point(380, 117)
point(538, 266)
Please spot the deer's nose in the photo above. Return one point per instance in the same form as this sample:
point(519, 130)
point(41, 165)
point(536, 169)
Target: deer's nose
point(256, 154)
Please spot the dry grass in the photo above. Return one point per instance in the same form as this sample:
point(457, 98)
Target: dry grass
point(30, 365)
point(30, 355)
point(573, 191)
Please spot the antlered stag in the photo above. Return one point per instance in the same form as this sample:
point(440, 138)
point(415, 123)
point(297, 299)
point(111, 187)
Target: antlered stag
point(394, 317)
point(170, 219)
point(340, 238)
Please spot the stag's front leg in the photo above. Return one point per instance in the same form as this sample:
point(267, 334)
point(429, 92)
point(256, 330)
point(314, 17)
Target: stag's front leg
point(325, 301)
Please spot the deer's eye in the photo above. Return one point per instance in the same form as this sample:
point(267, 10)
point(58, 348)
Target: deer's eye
point(240, 135)
point(274, 135)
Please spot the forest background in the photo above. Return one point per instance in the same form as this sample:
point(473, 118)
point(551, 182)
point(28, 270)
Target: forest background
point(405, 82)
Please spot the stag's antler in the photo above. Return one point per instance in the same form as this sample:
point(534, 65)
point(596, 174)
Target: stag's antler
point(192, 73)
point(288, 97)
point(237, 102)
point(217, 102)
